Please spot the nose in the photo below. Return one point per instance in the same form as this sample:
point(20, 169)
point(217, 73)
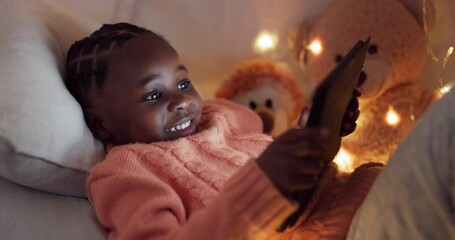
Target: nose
point(178, 102)
point(268, 121)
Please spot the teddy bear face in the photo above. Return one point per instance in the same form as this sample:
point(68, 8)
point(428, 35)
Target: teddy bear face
point(268, 88)
point(273, 103)
point(397, 52)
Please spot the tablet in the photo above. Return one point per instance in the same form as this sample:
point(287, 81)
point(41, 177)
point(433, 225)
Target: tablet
point(332, 97)
point(330, 102)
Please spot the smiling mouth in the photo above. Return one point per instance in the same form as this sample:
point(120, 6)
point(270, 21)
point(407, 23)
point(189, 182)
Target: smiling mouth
point(179, 127)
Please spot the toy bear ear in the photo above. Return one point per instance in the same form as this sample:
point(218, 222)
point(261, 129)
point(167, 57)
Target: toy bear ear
point(415, 7)
point(297, 39)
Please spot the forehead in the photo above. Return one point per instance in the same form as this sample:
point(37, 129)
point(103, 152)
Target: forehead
point(142, 49)
point(139, 58)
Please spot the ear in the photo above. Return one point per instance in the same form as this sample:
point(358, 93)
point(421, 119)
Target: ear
point(96, 125)
point(297, 36)
point(297, 39)
point(415, 7)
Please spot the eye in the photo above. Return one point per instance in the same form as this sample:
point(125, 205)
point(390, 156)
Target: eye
point(269, 103)
point(153, 96)
point(253, 105)
point(184, 84)
point(338, 58)
point(373, 49)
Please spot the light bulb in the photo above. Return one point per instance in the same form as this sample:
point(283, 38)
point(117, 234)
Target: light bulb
point(265, 41)
point(344, 161)
point(392, 118)
point(449, 52)
point(445, 89)
point(315, 47)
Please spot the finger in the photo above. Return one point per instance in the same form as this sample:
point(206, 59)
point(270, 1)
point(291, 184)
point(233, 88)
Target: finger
point(307, 151)
point(353, 104)
point(307, 147)
point(308, 166)
point(349, 130)
point(304, 113)
point(303, 182)
point(355, 116)
point(352, 109)
point(303, 134)
point(357, 92)
point(350, 118)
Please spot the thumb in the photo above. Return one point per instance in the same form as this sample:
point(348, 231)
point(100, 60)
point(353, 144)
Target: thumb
point(304, 113)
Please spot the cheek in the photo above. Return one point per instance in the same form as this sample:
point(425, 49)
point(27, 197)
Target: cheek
point(196, 100)
point(149, 119)
point(145, 126)
point(116, 117)
point(121, 125)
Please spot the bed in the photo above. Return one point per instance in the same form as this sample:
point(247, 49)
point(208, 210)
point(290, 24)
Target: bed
point(46, 149)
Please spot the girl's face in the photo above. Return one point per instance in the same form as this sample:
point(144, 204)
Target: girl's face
point(147, 96)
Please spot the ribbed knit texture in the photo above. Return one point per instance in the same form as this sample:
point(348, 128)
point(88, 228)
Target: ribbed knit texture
point(208, 186)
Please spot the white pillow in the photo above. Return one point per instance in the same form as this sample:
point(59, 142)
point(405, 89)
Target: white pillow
point(29, 214)
point(44, 142)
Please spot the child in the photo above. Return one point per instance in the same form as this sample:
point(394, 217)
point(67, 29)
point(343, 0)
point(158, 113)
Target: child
point(181, 168)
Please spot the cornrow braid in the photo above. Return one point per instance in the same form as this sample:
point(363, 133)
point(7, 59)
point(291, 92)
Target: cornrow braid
point(87, 59)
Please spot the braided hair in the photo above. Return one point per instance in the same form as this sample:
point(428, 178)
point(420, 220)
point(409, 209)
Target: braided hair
point(87, 59)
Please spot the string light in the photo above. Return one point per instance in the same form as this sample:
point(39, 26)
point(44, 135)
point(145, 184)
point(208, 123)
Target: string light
point(445, 89)
point(412, 117)
point(442, 87)
point(392, 118)
point(344, 161)
point(265, 42)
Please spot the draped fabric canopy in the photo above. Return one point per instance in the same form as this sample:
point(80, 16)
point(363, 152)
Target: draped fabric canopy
point(213, 36)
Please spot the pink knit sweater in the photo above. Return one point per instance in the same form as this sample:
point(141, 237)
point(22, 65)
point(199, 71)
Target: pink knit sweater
point(208, 186)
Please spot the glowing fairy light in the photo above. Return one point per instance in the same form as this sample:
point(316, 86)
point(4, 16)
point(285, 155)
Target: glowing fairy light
point(315, 47)
point(442, 87)
point(392, 118)
point(446, 89)
point(431, 53)
point(265, 41)
point(344, 161)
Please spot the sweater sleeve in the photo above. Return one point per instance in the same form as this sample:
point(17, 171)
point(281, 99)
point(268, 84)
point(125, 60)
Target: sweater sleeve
point(142, 206)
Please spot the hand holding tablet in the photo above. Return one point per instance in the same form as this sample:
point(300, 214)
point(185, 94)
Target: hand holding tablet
point(330, 102)
point(332, 97)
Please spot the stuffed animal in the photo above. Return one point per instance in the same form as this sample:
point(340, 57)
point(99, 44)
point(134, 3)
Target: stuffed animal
point(269, 89)
point(392, 97)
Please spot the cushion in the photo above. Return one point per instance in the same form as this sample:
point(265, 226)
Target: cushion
point(44, 142)
point(31, 214)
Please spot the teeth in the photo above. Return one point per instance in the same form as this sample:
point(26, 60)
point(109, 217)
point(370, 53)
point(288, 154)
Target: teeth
point(179, 127)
